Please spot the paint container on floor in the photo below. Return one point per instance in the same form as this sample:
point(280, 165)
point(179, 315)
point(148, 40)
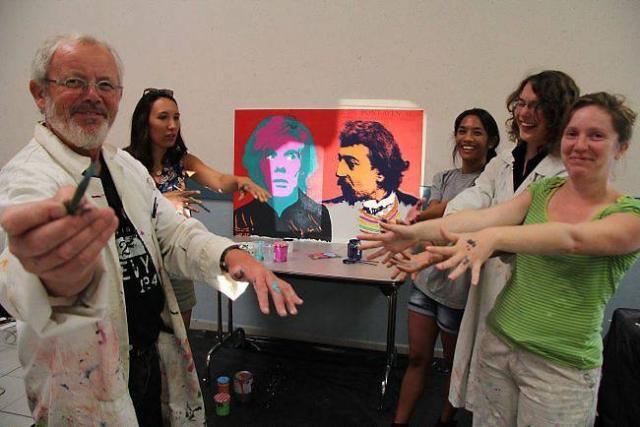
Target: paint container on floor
point(242, 385)
point(223, 404)
point(280, 251)
point(224, 384)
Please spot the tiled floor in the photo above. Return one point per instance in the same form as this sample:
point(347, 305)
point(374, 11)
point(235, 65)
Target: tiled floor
point(14, 411)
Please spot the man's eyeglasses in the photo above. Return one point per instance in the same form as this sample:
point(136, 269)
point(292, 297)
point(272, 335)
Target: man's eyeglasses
point(77, 83)
point(154, 91)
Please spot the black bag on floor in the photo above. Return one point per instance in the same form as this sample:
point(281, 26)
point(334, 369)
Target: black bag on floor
point(619, 394)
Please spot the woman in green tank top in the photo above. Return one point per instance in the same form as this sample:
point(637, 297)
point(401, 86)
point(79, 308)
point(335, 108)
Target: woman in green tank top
point(575, 237)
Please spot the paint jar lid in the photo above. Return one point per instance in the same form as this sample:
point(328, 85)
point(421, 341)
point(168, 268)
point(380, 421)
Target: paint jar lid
point(223, 380)
point(243, 375)
point(222, 397)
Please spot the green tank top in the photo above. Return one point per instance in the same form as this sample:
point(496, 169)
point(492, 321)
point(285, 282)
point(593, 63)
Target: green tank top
point(553, 306)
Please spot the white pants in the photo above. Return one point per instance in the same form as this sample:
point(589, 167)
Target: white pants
point(520, 388)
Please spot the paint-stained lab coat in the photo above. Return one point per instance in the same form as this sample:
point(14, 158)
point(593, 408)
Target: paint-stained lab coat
point(75, 351)
point(493, 186)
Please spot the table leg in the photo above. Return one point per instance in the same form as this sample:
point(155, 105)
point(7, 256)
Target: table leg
point(230, 316)
point(236, 336)
point(392, 301)
point(220, 338)
point(220, 331)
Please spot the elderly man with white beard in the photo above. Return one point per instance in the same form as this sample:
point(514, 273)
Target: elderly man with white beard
point(101, 339)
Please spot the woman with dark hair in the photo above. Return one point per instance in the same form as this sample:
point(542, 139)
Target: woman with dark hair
point(575, 238)
point(436, 303)
point(537, 108)
point(156, 141)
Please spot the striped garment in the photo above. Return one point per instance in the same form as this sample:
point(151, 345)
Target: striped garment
point(553, 306)
point(369, 223)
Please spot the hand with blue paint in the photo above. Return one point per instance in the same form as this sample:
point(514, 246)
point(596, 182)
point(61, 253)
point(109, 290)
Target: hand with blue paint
point(242, 266)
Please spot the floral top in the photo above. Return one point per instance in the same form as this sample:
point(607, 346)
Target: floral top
point(173, 177)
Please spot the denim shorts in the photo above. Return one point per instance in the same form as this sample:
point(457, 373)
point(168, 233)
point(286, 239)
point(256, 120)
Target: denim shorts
point(448, 319)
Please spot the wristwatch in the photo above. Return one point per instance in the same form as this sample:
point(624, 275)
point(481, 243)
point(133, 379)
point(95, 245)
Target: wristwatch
point(223, 265)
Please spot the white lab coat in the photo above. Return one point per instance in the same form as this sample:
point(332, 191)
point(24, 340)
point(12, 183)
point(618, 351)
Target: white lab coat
point(493, 186)
point(75, 351)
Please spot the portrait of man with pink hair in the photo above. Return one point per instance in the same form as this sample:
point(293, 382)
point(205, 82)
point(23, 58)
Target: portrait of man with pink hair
point(280, 156)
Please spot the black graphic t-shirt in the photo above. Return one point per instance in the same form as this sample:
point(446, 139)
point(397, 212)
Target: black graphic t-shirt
point(142, 290)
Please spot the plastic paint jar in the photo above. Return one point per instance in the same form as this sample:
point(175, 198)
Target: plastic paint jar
point(268, 252)
point(223, 404)
point(259, 252)
point(289, 241)
point(280, 251)
point(224, 383)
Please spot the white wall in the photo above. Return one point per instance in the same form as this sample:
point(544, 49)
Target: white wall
point(443, 56)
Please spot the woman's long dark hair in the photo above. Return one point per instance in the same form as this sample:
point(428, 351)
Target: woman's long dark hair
point(140, 144)
point(490, 127)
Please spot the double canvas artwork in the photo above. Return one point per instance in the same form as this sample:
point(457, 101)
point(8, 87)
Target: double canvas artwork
point(332, 173)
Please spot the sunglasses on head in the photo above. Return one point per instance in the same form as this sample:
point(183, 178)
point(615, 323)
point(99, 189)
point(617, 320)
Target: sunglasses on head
point(154, 91)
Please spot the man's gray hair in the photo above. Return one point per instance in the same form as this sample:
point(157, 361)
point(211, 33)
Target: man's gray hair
point(42, 60)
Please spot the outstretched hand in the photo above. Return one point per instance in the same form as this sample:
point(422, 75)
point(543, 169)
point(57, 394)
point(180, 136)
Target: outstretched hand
point(469, 250)
point(414, 263)
point(62, 250)
point(390, 260)
point(412, 214)
point(243, 266)
point(393, 239)
point(246, 185)
point(184, 199)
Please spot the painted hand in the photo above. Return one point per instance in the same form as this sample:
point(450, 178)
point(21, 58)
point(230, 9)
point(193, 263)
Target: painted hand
point(469, 250)
point(392, 240)
point(243, 266)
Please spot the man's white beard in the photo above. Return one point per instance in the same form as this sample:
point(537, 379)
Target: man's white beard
point(71, 132)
